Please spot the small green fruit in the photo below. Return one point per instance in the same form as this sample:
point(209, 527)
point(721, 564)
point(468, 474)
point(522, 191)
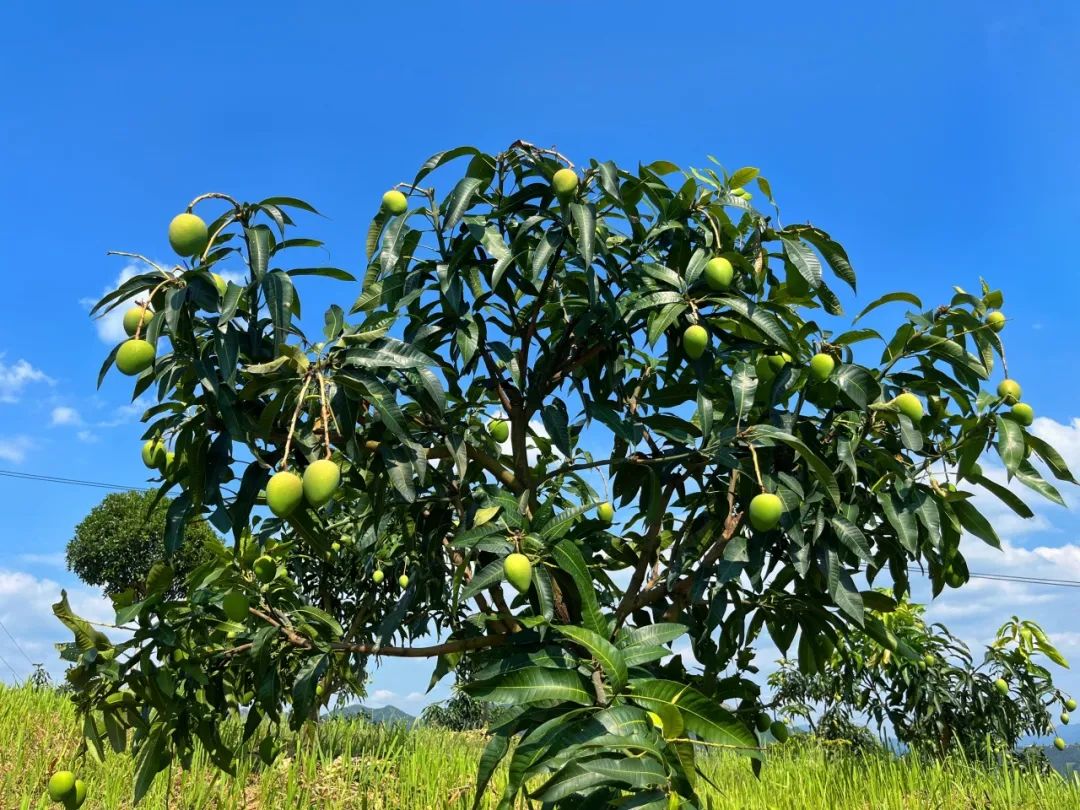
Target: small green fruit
point(1070, 704)
point(1064, 718)
point(61, 785)
point(518, 571)
point(778, 361)
point(321, 480)
point(1010, 391)
point(320, 690)
point(954, 577)
point(821, 366)
point(763, 722)
point(265, 569)
point(1059, 744)
point(403, 581)
point(719, 273)
point(910, 406)
point(169, 467)
point(76, 799)
point(221, 284)
point(499, 430)
point(765, 511)
point(335, 547)
point(136, 318)
point(996, 321)
point(1001, 686)
point(236, 606)
point(284, 492)
point(605, 512)
point(695, 339)
point(134, 356)
point(1023, 413)
point(928, 659)
point(394, 202)
point(779, 731)
point(564, 182)
point(378, 576)
point(188, 235)
point(153, 453)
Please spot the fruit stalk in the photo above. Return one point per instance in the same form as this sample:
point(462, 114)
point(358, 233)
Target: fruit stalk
point(284, 464)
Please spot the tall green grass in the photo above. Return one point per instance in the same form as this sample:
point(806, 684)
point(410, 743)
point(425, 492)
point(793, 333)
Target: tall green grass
point(351, 764)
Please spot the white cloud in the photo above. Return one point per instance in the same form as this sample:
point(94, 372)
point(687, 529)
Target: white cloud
point(63, 415)
point(26, 611)
point(415, 697)
point(15, 377)
point(15, 448)
point(380, 697)
point(87, 436)
point(126, 414)
point(57, 560)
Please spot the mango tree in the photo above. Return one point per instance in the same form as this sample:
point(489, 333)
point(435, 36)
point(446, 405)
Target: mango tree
point(920, 683)
point(588, 430)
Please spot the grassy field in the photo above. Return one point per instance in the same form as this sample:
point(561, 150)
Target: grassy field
point(354, 765)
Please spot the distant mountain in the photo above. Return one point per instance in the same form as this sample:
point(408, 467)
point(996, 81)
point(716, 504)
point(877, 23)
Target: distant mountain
point(1064, 762)
point(387, 715)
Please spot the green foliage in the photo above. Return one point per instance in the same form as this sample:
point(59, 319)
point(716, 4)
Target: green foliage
point(503, 298)
point(928, 688)
point(120, 540)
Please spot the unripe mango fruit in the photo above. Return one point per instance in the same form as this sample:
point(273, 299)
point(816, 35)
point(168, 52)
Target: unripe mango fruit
point(1010, 391)
point(1023, 413)
point(403, 581)
point(135, 318)
point(61, 785)
point(265, 569)
point(518, 571)
point(321, 480)
point(499, 430)
point(1001, 686)
point(378, 576)
point(153, 453)
point(1059, 744)
point(1064, 718)
point(564, 182)
point(1070, 704)
point(765, 511)
point(910, 406)
point(188, 235)
point(284, 492)
point(394, 202)
point(778, 361)
point(695, 339)
point(236, 606)
point(719, 273)
point(605, 512)
point(135, 356)
point(821, 366)
point(77, 797)
point(779, 731)
point(996, 321)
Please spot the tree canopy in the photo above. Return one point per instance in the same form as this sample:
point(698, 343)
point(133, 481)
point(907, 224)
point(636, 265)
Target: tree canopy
point(121, 539)
point(683, 353)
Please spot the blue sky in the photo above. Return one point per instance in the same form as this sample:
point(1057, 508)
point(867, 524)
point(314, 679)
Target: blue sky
point(937, 144)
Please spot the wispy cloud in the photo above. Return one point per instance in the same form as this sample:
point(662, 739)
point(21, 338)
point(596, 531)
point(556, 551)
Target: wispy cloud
point(15, 377)
point(64, 415)
point(15, 448)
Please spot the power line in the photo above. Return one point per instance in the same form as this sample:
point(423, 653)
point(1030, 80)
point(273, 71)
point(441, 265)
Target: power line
point(9, 666)
point(52, 479)
point(16, 643)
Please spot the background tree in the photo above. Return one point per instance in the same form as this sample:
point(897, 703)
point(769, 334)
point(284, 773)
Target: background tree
point(117, 543)
point(922, 684)
point(672, 339)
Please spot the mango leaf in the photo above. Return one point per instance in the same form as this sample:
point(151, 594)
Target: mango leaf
point(533, 685)
point(1010, 444)
point(569, 559)
point(603, 652)
point(702, 716)
point(889, 298)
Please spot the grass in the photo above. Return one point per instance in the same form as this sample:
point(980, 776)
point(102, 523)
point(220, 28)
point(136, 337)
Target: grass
point(350, 764)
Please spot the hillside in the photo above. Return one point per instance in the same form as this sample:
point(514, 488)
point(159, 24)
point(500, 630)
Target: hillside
point(386, 715)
